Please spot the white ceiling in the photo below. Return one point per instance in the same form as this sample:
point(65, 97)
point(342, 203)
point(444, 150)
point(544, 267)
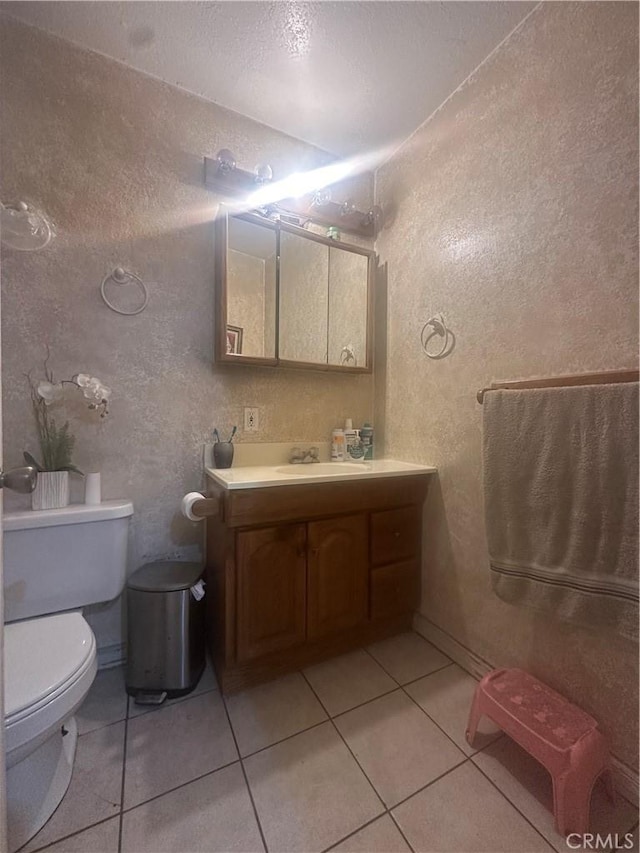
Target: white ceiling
point(346, 76)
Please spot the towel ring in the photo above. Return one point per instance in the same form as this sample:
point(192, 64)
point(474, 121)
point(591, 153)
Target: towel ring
point(438, 329)
point(347, 354)
point(120, 276)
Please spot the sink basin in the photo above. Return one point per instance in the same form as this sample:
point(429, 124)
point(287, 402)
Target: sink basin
point(321, 469)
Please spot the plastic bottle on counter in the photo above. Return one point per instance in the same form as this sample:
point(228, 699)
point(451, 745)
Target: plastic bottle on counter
point(351, 438)
point(366, 437)
point(337, 445)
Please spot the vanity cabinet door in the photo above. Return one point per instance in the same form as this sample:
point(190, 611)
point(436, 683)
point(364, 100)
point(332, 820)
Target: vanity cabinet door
point(338, 575)
point(271, 589)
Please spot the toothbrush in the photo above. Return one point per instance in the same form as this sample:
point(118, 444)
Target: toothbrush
point(233, 432)
point(216, 436)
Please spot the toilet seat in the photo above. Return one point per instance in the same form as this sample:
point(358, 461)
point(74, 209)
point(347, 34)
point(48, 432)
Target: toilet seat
point(50, 663)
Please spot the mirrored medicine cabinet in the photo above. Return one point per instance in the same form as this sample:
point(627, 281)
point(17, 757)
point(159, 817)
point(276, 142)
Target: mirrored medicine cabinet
point(290, 298)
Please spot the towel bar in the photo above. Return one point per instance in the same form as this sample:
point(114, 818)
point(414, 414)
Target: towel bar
point(608, 377)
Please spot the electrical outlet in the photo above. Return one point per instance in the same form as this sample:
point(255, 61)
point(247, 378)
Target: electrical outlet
point(251, 419)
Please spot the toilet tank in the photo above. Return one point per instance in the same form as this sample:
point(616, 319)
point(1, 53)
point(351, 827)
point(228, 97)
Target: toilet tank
point(61, 559)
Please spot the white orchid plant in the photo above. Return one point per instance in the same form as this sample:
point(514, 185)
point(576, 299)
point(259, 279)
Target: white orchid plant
point(56, 443)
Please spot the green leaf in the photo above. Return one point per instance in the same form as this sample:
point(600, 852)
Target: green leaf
point(29, 459)
point(72, 468)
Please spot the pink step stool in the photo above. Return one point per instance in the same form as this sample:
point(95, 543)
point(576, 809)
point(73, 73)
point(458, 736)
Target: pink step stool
point(561, 736)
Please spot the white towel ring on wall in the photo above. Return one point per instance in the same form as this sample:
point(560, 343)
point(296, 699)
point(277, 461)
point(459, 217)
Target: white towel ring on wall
point(438, 328)
point(121, 276)
point(348, 354)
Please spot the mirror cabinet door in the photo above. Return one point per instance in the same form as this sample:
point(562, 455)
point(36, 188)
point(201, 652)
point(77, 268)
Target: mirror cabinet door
point(304, 299)
point(251, 290)
point(284, 295)
point(348, 308)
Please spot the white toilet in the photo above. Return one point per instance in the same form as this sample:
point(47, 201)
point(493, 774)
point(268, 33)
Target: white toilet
point(55, 562)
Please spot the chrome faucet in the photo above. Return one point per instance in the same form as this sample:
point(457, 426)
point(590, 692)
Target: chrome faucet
point(304, 457)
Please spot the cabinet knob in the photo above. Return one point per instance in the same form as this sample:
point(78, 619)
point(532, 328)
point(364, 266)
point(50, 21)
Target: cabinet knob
point(397, 534)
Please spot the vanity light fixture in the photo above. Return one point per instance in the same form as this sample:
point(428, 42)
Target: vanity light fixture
point(226, 161)
point(24, 228)
point(299, 201)
point(263, 173)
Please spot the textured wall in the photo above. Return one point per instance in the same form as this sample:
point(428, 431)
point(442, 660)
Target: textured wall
point(115, 158)
point(515, 214)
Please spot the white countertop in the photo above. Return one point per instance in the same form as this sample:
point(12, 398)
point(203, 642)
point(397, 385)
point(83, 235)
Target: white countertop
point(262, 476)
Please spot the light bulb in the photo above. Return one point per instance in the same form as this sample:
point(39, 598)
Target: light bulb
point(226, 161)
point(348, 207)
point(263, 173)
point(321, 197)
point(374, 216)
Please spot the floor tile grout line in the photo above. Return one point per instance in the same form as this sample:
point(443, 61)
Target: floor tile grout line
point(320, 722)
point(406, 692)
point(332, 721)
point(513, 805)
point(421, 677)
point(359, 829)
point(66, 837)
point(253, 806)
point(118, 814)
point(181, 785)
point(351, 834)
point(375, 660)
point(362, 770)
point(435, 723)
point(389, 809)
point(101, 728)
point(362, 704)
point(244, 774)
point(429, 784)
point(401, 831)
point(240, 759)
point(124, 772)
point(284, 739)
point(396, 823)
point(413, 680)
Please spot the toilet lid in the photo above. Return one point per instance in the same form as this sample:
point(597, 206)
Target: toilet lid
point(42, 655)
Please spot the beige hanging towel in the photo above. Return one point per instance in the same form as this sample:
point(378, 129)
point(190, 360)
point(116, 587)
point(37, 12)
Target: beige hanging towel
point(561, 501)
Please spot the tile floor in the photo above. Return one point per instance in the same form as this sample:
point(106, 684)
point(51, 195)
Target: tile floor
point(365, 752)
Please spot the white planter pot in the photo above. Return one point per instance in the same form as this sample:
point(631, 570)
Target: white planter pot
point(52, 490)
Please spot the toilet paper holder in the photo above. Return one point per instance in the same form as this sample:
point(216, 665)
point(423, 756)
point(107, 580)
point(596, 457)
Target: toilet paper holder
point(196, 507)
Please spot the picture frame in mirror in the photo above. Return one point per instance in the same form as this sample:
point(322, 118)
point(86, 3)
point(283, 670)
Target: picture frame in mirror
point(234, 340)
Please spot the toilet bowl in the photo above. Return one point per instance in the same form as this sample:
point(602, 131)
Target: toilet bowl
point(54, 560)
point(50, 664)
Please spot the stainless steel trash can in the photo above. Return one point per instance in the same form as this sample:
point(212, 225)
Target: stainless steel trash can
point(166, 642)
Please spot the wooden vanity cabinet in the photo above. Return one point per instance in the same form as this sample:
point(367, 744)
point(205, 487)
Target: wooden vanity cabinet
point(298, 573)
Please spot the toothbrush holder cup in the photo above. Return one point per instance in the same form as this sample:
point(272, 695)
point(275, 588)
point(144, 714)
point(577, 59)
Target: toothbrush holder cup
point(223, 454)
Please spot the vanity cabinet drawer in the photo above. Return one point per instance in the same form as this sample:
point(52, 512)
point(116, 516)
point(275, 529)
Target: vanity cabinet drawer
point(395, 534)
point(395, 589)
